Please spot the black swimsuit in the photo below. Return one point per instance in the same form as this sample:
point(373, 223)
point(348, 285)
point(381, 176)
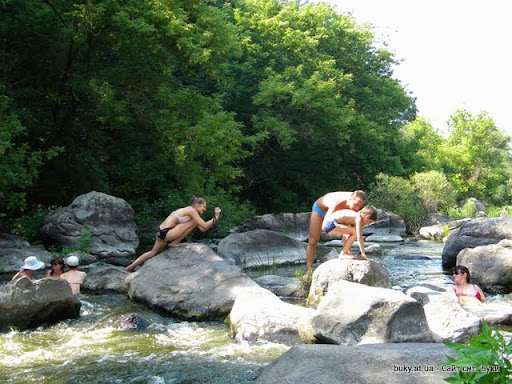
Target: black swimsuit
point(162, 232)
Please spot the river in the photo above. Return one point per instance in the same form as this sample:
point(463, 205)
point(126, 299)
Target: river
point(93, 349)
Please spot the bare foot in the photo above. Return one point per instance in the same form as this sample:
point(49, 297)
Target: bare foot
point(307, 275)
point(174, 245)
point(128, 269)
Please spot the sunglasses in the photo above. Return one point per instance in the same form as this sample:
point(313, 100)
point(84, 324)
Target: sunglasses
point(456, 273)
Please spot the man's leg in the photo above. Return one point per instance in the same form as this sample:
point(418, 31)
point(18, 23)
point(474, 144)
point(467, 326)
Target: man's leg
point(315, 229)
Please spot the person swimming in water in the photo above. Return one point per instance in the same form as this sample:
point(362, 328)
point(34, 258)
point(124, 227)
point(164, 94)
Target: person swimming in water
point(464, 290)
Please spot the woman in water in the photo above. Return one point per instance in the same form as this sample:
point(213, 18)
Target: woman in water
point(463, 288)
point(56, 269)
point(177, 226)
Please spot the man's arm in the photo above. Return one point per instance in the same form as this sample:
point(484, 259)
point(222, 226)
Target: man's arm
point(360, 239)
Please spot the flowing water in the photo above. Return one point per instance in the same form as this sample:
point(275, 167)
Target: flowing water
point(93, 349)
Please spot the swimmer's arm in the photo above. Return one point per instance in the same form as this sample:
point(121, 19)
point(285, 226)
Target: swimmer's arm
point(483, 298)
point(360, 239)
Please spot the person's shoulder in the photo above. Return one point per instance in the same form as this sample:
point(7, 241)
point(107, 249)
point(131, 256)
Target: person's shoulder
point(184, 210)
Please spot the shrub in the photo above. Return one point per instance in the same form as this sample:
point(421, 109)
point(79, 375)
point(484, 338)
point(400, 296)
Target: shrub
point(27, 226)
point(484, 360)
point(83, 246)
point(398, 195)
point(434, 190)
point(468, 209)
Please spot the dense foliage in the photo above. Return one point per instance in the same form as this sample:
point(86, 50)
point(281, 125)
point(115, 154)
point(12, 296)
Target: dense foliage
point(254, 104)
point(485, 359)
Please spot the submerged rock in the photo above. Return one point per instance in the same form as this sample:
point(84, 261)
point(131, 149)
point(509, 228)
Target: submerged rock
point(134, 322)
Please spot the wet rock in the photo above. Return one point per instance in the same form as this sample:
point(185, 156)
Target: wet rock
point(27, 304)
point(490, 266)
point(190, 282)
point(352, 314)
point(360, 271)
point(105, 277)
point(134, 322)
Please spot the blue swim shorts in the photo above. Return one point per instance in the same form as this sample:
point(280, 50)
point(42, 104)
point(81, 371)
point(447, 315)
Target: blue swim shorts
point(329, 225)
point(318, 210)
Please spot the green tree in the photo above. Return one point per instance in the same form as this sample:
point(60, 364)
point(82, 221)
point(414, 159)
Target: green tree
point(434, 190)
point(312, 84)
point(398, 195)
point(129, 90)
point(19, 163)
point(475, 156)
point(421, 144)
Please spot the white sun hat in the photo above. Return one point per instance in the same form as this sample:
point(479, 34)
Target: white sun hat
point(72, 261)
point(32, 263)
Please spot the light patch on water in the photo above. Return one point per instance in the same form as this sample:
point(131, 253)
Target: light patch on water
point(193, 340)
point(156, 380)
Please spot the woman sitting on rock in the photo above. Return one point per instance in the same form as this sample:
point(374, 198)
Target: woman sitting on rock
point(177, 226)
point(465, 291)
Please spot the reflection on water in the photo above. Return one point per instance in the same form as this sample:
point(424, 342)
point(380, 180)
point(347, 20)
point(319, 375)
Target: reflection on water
point(416, 262)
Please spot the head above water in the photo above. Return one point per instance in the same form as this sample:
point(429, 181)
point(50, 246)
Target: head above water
point(32, 264)
point(58, 261)
point(72, 261)
point(461, 270)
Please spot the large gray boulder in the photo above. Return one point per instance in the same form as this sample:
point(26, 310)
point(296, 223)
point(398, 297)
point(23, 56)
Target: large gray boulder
point(474, 233)
point(411, 363)
point(190, 282)
point(261, 247)
point(258, 316)
point(11, 259)
point(446, 318)
point(105, 277)
point(294, 225)
point(109, 220)
point(490, 266)
point(26, 304)
point(371, 273)
point(12, 241)
point(387, 224)
point(352, 313)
